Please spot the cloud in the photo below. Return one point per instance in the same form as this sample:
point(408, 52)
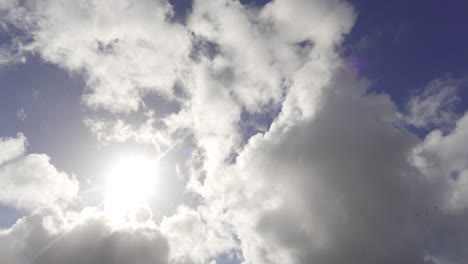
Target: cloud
point(122, 59)
point(51, 237)
point(328, 179)
point(435, 105)
point(333, 188)
point(445, 156)
point(29, 181)
point(9, 56)
point(12, 24)
point(263, 58)
point(441, 157)
point(21, 114)
point(120, 131)
point(346, 185)
point(194, 237)
point(12, 147)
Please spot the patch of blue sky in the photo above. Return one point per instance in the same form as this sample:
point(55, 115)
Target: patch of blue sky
point(50, 98)
point(9, 216)
point(232, 257)
point(406, 44)
point(403, 45)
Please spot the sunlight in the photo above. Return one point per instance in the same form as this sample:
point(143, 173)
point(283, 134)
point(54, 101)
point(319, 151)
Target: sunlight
point(130, 183)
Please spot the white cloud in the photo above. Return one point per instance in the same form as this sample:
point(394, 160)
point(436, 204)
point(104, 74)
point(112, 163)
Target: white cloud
point(123, 59)
point(120, 131)
point(443, 158)
point(195, 238)
point(12, 147)
point(435, 105)
point(30, 181)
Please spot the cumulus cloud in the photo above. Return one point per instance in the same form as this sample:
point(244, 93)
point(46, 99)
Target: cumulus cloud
point(195, 237)
point(334, 188)
point(445, 156)
point(29, 181)
point(52, 237)
point(12, 147)
point(441, 157)
point(122, 58)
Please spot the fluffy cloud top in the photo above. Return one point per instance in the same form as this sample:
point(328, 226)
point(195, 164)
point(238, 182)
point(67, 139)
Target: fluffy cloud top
point(335, 188)
point(52, 237)
point(29, 181)
point(12, 147)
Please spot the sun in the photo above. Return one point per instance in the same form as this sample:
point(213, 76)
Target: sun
point(131, 182)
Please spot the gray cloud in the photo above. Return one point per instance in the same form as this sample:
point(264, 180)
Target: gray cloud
point(51, 237)
point(348, 186)
point(337, 187)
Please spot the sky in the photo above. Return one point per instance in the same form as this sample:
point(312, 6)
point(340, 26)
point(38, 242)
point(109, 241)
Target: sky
point(229, 132)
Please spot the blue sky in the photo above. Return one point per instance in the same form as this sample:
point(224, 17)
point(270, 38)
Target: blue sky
point(278, 151)
point(409, 44)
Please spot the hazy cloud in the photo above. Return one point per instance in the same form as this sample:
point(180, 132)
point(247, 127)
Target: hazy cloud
point(21, 114)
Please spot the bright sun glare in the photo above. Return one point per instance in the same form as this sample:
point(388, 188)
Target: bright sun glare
point(130, 183)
